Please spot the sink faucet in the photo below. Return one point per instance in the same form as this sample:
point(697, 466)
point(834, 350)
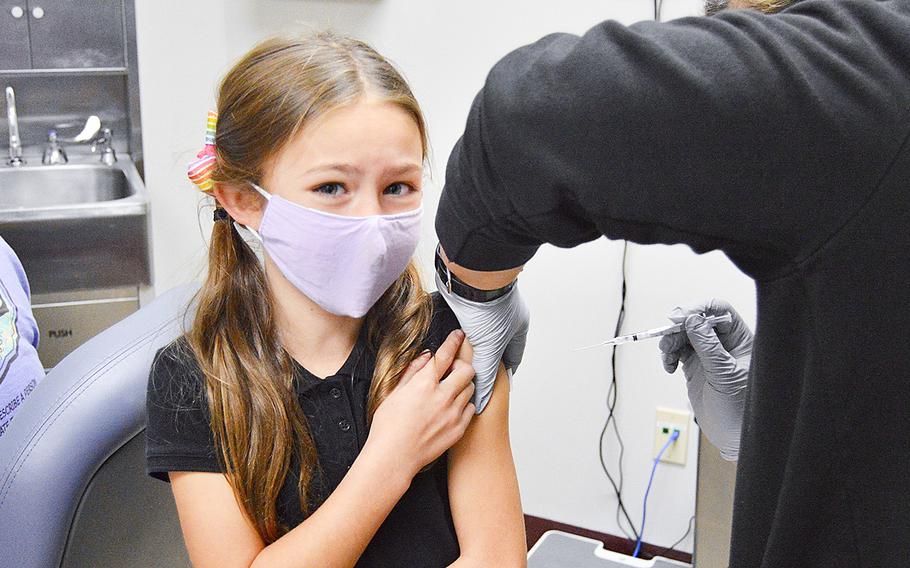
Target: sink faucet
point(15, 143)
point(53, 152)
point(108, 156)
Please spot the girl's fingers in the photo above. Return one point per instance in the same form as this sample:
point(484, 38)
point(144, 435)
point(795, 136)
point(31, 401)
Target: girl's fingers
point(461, 376)
point(466, 416)
point(464, 396)
point(447, 352)
point(415, 366)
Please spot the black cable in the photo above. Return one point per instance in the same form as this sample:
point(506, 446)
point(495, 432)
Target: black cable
point(613, 392)
point(675, 544)
point(611, 402)
point(615, 388)
point(612, 399)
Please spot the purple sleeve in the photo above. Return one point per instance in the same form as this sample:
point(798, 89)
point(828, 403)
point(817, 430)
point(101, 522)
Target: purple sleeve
point(20, 368)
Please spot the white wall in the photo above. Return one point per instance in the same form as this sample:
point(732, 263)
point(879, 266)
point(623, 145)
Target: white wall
point(445, 50)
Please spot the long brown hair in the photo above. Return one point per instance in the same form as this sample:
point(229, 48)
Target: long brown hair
point(257, 423)
point(767, 6)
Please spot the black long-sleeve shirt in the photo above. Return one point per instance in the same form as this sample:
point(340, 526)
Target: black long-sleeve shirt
point(781, 140)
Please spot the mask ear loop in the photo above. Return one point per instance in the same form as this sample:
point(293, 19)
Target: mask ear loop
point(268, 197)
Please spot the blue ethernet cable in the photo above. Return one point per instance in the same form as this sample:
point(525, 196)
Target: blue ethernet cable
point(644, 510)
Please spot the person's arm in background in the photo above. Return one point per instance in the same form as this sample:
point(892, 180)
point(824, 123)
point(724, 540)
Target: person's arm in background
point(20, 368)
point(756, 134)
point(483, 488)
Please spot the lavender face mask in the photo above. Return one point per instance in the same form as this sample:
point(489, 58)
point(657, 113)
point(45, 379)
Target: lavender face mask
point(344, 264)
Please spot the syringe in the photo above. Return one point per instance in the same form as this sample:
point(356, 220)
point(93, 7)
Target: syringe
point(656, 332)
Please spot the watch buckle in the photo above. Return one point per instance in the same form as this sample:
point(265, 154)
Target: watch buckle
point(446, 266)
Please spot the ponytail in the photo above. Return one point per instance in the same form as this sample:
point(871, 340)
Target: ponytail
point(255, 418)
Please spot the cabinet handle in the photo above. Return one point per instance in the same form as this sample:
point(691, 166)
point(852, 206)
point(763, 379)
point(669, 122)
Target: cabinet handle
point(17, 12)
point(37, 12)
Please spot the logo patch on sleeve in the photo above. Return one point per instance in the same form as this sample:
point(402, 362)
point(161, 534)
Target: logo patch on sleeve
point(9, 333)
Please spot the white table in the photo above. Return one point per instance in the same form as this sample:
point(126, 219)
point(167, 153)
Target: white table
point(557, 549)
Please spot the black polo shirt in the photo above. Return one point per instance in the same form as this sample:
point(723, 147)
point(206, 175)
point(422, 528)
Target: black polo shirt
point(418, 532)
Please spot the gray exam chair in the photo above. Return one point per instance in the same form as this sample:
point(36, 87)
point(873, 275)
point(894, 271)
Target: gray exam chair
point(73, 488)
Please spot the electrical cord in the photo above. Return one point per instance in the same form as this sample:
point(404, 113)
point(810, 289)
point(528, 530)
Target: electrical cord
point(613, 393)
point(644, 509)
point(612, 400)
point(673, 546)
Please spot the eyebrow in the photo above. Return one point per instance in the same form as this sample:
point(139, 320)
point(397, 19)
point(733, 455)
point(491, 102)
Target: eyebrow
point(351, 169)
point(344, 168)
point(404, 169)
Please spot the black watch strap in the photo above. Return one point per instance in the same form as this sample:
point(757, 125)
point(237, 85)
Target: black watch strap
point(466, 291)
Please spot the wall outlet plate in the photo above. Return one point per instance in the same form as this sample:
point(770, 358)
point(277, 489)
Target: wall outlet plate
point(668, 420)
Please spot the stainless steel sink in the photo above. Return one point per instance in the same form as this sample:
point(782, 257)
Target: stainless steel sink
point(54, 186)
point(77, 226)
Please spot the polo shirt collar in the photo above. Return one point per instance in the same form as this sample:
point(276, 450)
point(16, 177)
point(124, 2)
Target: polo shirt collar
point(359, 365)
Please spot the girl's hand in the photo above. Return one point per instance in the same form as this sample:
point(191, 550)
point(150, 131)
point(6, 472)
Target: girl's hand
point(425, 414)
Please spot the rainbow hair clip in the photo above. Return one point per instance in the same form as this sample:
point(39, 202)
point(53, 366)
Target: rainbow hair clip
point(200, 170)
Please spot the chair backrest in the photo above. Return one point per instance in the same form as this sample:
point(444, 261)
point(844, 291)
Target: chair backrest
point(73, 489)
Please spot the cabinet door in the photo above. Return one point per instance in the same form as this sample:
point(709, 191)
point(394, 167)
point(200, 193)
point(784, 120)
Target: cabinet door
point(76, 33)
point(14, 35)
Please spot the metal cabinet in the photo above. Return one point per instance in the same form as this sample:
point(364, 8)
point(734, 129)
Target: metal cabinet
point(14, 50)
point(69, 319)
point(75, 34)
point(62, 34)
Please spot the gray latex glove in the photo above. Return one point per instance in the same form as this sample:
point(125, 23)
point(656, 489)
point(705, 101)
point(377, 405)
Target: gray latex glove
point(716, 364)
point(497, 331)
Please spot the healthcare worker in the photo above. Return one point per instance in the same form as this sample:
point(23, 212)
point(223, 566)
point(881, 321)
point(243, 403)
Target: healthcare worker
point(778, 134)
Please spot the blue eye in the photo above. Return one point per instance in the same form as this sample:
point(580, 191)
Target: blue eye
point(398, 189)
point(330, 189)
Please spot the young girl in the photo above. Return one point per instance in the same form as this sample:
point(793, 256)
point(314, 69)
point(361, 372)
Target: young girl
point(300, 421)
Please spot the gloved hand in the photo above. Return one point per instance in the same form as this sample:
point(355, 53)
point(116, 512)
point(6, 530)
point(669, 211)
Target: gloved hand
point(716, 363)
point(497, 331)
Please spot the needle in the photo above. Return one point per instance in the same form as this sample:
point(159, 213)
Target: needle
point(656, 332)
